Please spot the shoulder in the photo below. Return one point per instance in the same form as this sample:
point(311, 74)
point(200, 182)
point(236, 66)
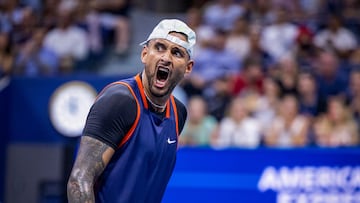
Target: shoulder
point(181, 109)
point(114, 98)
point(115, 91)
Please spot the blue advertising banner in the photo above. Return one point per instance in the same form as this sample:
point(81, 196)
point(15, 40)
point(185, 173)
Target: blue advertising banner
point(310, 175)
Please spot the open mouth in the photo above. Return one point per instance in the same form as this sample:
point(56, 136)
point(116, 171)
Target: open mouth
point(162, 76)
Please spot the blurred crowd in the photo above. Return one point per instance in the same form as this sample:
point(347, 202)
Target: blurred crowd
point(52, 37)
point(274, 73)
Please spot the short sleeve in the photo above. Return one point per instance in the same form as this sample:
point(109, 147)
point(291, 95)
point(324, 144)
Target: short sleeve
point(112, 115)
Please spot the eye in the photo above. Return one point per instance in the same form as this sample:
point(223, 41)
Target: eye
point(178, 53)
point(160, 47)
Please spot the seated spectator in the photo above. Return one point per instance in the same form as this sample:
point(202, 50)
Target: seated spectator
point(222, 14)
point(200, 127)
point(249, 80)
point(34, 59)
point(336, 38)
point(113, 15)
point(49, 17)
point(286, 74)
point(261, 12)
point(305, 52)
point(238, 40)
point(265, 106)
point(237, 128)
point(6, 55)
point(354, 95)
point(330, 77)
point(337, 127)
point(278, 39)
point(289, 128)
point(309, 102)
point(351, 18)
point(204, 33)
point(67, 40)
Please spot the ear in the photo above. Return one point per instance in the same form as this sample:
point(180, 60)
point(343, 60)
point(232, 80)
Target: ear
point(189, 67)
point(144, 54)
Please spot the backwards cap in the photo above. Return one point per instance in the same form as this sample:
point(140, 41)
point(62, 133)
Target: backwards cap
point(162, 30)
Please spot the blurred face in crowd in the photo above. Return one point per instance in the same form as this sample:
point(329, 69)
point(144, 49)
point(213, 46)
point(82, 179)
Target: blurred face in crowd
point(336, 110)
point(334, 23)
point(240, 25)
point(271, 88)
point(281, 16)
point(197, 110)
point(306, 84)
point(219, 40)
point(166, 64)
point(355, 82)
point(238, 110)
point(193, 17)
point(327, 64)
point(4, 40)
point(289, 107)
point(253, 71)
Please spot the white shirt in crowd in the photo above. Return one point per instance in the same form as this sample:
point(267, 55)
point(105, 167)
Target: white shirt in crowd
point(70, 42)
point(342, 40)
point(246, 133)
point(278, 40)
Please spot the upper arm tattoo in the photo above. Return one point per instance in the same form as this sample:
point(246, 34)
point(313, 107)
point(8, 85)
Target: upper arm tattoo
point(92, 158)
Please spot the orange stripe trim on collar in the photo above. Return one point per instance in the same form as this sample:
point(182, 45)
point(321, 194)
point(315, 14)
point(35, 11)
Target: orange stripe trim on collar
point(141, 89)
point(176, 114)
point(131, 131)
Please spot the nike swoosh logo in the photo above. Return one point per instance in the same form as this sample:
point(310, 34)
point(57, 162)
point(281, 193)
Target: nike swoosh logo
point(170, 141)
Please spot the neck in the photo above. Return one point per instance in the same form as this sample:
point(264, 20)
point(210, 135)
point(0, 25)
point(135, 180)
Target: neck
point(155, 106)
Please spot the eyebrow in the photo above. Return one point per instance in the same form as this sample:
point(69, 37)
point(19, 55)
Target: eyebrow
point(178, 47)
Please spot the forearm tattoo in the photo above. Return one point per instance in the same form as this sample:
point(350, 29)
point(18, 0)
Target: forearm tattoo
point(88, 166)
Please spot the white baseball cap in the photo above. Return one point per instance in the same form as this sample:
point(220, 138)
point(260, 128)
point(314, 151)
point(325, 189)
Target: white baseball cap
point(162, 30)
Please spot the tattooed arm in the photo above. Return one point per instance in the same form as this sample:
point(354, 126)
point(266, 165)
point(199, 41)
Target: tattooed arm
point(92, 158)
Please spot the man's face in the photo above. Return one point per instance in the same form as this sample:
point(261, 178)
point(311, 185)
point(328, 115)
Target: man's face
point(166, 63)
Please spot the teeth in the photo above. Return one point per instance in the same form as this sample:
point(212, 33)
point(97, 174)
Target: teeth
point(164, 69)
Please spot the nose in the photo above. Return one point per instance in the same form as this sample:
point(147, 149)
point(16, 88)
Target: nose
point(166, 58)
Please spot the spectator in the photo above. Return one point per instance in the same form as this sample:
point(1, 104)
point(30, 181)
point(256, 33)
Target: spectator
point(309, 101)
point(250, 80)
point(67, 40)
point(49, 16)
point(114, 15)
point(261, 12)
point(237, 128)
point(305, 52)
point(354, 95)
point(337, 127)
point(289, 128)
point(6, 55)
point(287, 74)
point(222, 14)
point(35, 59)
point(204, 33)
point(266, 105)
point(278, 39)
point(336, 38)
point(200, 127)
point(238, 40)
point(351, 18)
point(257, 53)
point(331, 80)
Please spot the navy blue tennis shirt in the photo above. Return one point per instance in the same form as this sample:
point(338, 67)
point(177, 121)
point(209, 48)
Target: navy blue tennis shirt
point(145, 142)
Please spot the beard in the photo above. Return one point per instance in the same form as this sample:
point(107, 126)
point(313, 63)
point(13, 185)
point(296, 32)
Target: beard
point(174, 78)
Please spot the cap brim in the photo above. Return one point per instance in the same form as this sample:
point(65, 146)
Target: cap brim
point(143, 43)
